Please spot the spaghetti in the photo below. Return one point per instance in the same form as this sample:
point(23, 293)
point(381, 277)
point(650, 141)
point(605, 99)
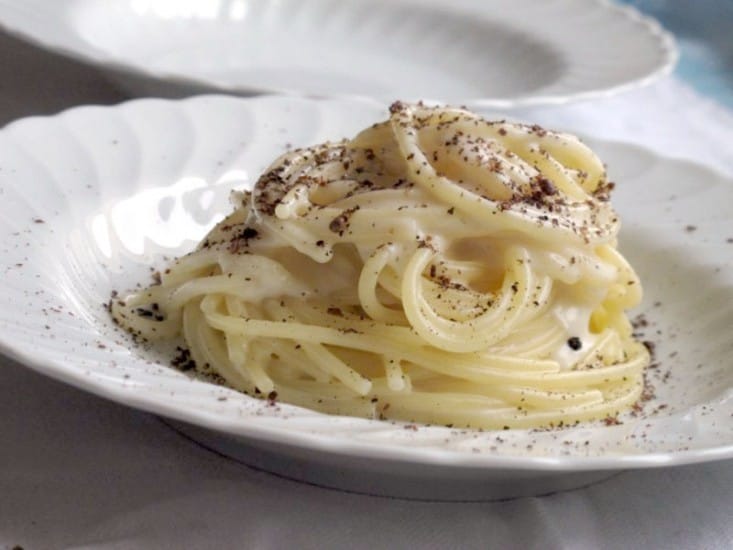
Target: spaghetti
point(437, 268)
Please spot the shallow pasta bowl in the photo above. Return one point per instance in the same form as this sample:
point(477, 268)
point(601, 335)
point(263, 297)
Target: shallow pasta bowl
point(496, 53)
point(94, 197)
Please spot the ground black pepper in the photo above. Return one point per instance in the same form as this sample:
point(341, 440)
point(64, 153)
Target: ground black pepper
point(575, 343)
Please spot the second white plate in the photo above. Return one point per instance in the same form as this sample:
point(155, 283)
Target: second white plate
point(500, 53)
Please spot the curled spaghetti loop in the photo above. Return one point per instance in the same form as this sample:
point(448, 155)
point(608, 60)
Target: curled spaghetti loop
point(436, 268)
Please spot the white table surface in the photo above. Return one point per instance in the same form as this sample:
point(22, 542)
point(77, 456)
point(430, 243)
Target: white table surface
point(77, 471)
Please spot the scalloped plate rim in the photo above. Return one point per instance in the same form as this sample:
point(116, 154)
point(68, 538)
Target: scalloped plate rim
point(125, 395)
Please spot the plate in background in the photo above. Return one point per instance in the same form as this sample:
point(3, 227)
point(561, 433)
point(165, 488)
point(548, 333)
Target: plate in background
point(93, 197)
point(498, 53)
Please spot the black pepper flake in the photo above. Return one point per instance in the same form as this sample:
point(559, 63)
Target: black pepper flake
point(575, 343)
point(396, 107)
point(603, 191)
point(241, 240)
point(538, 130)
point(640, 321)
point(547, 187)
point(142, 312)
point(650, 346)
point(341, 222)
point(183, 360)
point(690, 228)
point(424, 243)
point(249, 233)
point(612, 421)
point(338, 224)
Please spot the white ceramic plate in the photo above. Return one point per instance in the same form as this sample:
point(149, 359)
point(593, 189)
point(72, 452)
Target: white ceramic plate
point(92, 197)
point(498, 53)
